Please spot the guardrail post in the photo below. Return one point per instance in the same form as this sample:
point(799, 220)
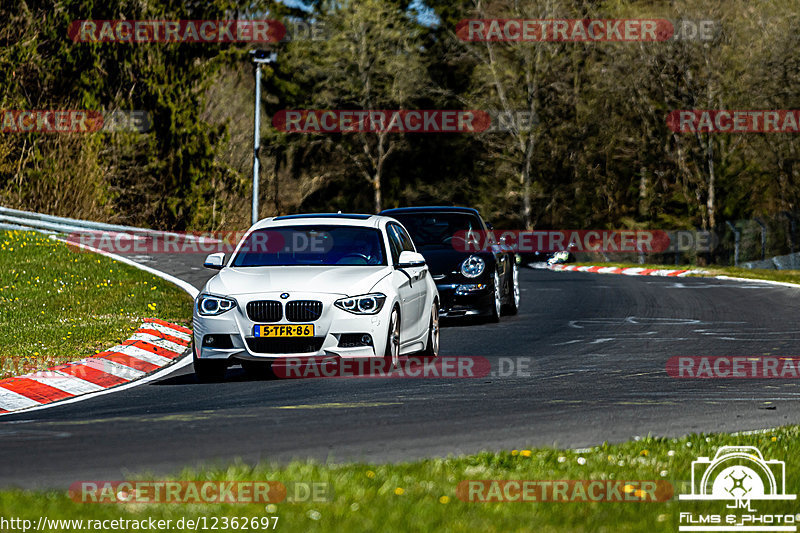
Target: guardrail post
point(788, 215)
point(763, 238)
point(736, 236)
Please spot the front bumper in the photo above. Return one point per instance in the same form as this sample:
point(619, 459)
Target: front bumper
point(456, 302)
point(328, 331)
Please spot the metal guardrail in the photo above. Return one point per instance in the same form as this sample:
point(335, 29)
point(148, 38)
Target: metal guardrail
point(15, 219)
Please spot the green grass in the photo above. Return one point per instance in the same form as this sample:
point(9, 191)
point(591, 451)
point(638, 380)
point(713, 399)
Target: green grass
point(421, 496)
point(789, 276)
point(59, 304)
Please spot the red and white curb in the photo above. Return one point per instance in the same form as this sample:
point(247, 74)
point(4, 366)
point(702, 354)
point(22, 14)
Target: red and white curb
point(155, 345)
point(631, 271)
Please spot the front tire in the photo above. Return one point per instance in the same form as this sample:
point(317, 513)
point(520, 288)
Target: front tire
point(209, 370)
point(432, 348)
point(392, 352)
point(497, 303)
point(512, 307)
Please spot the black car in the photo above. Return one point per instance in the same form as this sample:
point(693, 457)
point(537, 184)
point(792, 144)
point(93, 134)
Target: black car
point(474, 278)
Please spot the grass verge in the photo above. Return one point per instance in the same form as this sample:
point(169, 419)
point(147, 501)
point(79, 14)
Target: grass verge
point(421, 496)
point(59, 304)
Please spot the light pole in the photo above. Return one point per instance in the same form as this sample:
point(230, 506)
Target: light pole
point(258, 57)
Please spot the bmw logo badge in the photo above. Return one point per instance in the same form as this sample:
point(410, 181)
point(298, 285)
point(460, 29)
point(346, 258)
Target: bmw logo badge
point(285, 295)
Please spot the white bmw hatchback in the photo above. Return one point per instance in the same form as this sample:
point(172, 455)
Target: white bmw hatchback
point(316, 285)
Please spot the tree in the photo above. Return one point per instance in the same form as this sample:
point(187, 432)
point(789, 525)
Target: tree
point(372, 60)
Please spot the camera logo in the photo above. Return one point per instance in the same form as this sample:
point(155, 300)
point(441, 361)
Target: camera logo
point(738, 473)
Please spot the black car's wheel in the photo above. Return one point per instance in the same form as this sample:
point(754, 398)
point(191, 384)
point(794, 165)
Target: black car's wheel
point(497, 303)
point(512, 307)
point(432, 348)
point(209, 370)
point(392, 352)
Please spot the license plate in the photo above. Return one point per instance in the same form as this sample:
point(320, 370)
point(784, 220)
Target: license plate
point(284, 330)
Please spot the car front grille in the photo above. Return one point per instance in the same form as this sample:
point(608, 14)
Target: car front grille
point(264, 311)
point(303, 310)
point(285, 345)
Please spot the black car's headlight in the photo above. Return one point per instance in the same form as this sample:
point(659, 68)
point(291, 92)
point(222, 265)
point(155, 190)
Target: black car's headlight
point(473, 266)
point(366, 304)
point(208, 305)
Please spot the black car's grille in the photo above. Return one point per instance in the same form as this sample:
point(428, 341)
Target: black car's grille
point(264, 311)
point(303, 311)
point(285, 345)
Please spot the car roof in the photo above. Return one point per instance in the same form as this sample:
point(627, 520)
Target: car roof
point(355, 216)
point(333, 219)
point(429, 209)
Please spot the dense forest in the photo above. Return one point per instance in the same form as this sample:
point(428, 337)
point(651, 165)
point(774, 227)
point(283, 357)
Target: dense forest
point(599, 154)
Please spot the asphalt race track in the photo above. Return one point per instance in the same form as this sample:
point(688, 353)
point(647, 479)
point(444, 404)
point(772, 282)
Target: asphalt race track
point(596, 347)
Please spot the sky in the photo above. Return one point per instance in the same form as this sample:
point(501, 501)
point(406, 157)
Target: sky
point(425, 15)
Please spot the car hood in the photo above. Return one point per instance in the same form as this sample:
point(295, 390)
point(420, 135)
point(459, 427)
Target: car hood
point(344, 280)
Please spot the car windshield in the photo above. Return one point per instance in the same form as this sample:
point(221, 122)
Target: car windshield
point(437, 230)
point(312, 245)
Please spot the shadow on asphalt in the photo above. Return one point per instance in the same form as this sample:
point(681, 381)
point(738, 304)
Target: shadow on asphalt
point(234, 374)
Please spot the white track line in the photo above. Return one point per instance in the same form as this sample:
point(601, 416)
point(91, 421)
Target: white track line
point(65, 382)
point(112, 367)
point(157, 341)
point(16, 401)
point(141, 354)
point(167, 330)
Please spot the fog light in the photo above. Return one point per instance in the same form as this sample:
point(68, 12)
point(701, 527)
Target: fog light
point(217, 341)
point(355, 340)
point(470, 287)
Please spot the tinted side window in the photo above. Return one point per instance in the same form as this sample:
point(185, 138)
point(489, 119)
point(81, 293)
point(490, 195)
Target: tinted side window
point(394, 242)
point(405, 240)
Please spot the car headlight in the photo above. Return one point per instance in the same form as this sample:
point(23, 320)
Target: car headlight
point(208, 305)
point(366, 304)
point(473, 266)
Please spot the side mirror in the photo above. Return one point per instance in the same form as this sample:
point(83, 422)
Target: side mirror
point(215, 261)
point(410, 260)
point(489, 225)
